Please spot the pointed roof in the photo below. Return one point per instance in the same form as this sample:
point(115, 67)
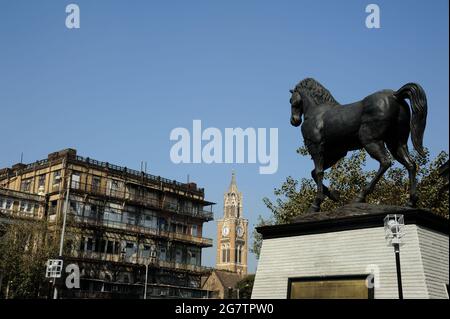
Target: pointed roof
point(233, 186)
point(228, 278)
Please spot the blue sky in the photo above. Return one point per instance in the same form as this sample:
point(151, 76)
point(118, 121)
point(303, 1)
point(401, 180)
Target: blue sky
point(116, 87)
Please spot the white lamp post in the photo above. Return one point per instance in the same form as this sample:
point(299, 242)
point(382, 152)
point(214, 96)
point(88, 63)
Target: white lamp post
point(394, 225)
point(147, 262)
point(63, 229)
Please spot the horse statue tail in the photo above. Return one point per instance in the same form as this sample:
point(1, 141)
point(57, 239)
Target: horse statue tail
point(416, 95)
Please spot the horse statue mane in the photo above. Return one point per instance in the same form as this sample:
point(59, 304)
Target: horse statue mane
point(316, 91)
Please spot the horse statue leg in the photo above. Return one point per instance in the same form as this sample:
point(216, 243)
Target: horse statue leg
point(319, 172)
point(400, 152)
point(331, 194)
point(377, 151)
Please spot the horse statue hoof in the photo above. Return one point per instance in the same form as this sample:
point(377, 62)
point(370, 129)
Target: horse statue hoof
point(359, 199)
point(313, 209)
point(335, 195)
point(411, 204)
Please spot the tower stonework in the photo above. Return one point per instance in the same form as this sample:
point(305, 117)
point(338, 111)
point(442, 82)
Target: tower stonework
point(232, 233)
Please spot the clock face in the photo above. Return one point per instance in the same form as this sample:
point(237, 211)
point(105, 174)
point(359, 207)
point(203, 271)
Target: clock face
point(225, 231)
point(240, 231)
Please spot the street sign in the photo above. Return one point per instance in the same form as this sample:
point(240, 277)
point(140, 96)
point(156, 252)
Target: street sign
point(54, 268)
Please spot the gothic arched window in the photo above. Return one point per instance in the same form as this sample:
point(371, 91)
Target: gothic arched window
point(238, 254)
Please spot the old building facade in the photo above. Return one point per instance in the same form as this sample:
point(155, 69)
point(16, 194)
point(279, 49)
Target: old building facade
point(118, 221)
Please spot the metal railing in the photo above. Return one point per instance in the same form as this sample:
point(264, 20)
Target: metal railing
point(20, 214)
point(142, 198)
point(153, 261)
point(139, 174)
point(121, 169)
point(142, 230)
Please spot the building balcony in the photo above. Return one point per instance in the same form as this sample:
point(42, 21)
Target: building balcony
point(139, 175)
point(114, 225)
point(16, 213)
point(139, 261)
point(146, 199)
point(114, 290)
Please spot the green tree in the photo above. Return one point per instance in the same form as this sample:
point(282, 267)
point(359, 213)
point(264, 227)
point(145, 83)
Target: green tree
point(347, 177)
point(245, 287)
point(24, 250)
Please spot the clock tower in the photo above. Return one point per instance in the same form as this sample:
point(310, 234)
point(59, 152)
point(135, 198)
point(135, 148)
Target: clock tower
point(232, 233)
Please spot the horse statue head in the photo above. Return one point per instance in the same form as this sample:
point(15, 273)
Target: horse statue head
point(305, 93)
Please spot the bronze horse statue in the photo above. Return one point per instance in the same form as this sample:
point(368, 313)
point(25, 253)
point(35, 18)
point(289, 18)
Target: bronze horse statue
point(382, 119)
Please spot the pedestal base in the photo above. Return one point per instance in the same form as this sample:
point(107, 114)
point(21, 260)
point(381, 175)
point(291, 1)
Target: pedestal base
point(334, 254)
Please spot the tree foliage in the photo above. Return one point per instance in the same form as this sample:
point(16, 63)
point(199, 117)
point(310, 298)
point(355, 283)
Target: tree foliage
point(24, 251)
point(245, 287)
point(348, 176)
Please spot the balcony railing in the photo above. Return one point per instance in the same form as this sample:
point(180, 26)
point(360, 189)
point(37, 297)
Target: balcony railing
point(144, 199)
point(144, 230)
point(152, 261)
point(20, 214)
point(140, 174)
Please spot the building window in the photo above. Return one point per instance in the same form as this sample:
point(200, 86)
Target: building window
point(162, 224)
point(193, 257)
point(162, 253)
point(130, 250)
point(94, 211)
point(131, 218)
point(145, 253)
point(52, 207)
point(75, 180)
point(114, 187)
point(178, 256)
point(90, 244)
point(238, 254)
point(41, 181)
point(26, 207)
point(150, 221)
point(96, 182)
point(225, 253)
point(56, 178)
point(74, 208)
point(22, 206)
point(194, 230)
point(110, 247)
point(82, 244)
point(116, 247)
point(25, 185)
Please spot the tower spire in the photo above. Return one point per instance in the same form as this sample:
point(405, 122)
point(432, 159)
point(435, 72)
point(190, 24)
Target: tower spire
point(233, 185)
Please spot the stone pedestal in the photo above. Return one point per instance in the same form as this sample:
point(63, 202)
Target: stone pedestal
point(333, 253)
